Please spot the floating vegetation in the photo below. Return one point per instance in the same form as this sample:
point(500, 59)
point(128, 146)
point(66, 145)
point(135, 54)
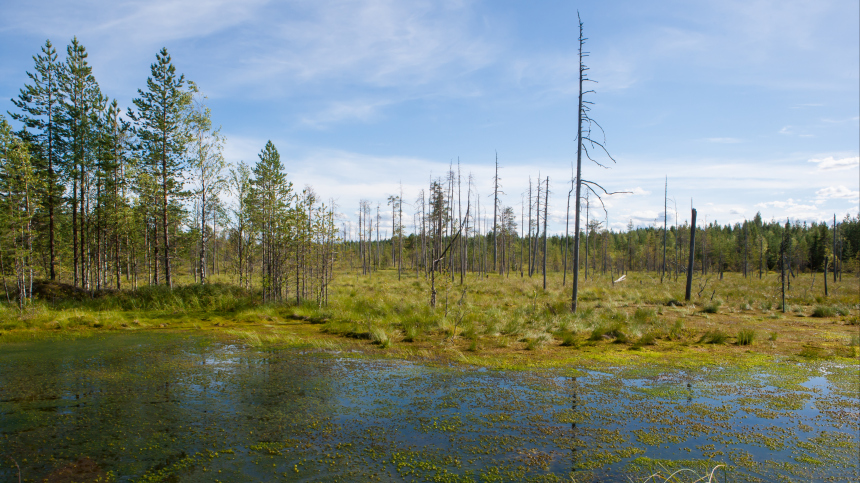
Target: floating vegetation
point(172, 407)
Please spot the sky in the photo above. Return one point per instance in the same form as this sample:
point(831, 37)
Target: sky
point(739, 106)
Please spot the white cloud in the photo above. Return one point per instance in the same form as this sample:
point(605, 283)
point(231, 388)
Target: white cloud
point(837, 192)
point(831, 163)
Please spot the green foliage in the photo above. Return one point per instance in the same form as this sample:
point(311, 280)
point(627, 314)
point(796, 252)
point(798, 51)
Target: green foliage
point(712, 307)
point(746, 337)
point(643, 315)
point(714, 336)
point(828, 311)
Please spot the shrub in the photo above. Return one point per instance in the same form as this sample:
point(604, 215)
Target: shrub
point(773, 336)
point(746, 337)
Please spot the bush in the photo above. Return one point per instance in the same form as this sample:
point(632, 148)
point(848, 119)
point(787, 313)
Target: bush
point(773, 336)
point(746, 337)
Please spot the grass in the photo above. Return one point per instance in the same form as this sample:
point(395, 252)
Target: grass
point(715, 336)
point(711, 307)
point(746, 337)
point(511, 319)
point(829, 311)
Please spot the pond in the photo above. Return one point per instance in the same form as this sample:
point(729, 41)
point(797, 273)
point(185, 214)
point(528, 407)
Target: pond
point(171, 407)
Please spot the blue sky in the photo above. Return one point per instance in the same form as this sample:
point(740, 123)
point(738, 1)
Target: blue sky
point(745, 105)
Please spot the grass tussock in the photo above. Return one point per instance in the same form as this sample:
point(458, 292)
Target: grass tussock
point(745, 337)
point(715, 336)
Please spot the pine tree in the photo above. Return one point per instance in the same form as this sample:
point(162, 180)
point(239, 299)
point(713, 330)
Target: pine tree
point(163, 134)
point(271, 195)
point(81, 97)
point(40, 105)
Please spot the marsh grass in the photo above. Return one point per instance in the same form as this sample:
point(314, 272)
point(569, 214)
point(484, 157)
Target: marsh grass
point(712, 307)
point(745, 337)
point(829, 311)
point(714, 336)
point(500, 315)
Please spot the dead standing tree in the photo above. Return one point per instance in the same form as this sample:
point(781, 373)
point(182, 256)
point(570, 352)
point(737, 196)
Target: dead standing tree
point(583, 136)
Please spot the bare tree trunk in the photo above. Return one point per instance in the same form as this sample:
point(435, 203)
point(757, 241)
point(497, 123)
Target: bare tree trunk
point(665, 209)
point(495, 211)
point(545, 216)
point(692, 252)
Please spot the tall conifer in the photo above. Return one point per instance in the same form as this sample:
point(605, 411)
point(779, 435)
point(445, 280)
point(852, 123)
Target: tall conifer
point(163, 134)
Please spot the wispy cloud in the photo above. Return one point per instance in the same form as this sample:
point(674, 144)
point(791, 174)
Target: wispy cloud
point(335, 112)
point(837, 192)
point(830, 163)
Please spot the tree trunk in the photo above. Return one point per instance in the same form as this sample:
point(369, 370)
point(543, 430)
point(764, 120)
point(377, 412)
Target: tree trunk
point(692, 254)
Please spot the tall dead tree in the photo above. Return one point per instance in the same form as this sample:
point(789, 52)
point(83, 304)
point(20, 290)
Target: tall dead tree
point(545, 213)
point(583, 135)
point(692, 253)
point(665, 209)
point(495, 211)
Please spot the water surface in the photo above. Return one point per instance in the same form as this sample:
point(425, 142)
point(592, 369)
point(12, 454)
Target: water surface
point(156, 407)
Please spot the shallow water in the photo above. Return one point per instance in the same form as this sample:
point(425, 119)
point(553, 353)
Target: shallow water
point(154, 407)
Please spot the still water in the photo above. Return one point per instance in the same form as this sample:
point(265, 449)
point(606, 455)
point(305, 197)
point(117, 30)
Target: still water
point(156, 407)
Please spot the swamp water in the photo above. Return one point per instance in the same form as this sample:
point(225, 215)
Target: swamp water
point(156, 407)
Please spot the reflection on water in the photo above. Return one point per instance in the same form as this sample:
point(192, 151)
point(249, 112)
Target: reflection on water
point(149, 407)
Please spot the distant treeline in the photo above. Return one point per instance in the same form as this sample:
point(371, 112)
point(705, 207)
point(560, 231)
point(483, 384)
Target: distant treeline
point(750, 247)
